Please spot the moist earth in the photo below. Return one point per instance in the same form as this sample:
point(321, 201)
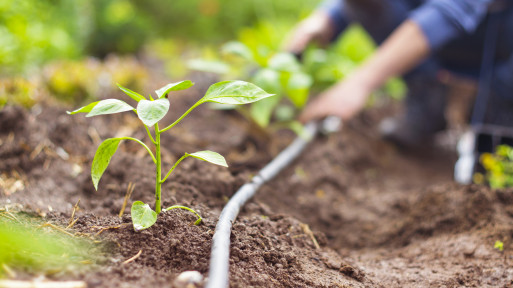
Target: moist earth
point(351, 211)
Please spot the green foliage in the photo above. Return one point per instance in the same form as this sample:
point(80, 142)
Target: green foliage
point(327, 66)
point(499, 245)
point(150, 112)
point(217, 20)
point(142, 216)
point(26, 246)
point(277, 72)
point(32, 32)
point(75, 81)
point(17, 91)
point(119, 26)
point(102, 159)
point(498, 166)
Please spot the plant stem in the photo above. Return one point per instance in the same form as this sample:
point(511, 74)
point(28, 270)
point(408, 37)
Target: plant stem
point(181, 117)
point(174, 166)
point(144, 145)
point(188, 209)
point(158, 180)
point(149, 134)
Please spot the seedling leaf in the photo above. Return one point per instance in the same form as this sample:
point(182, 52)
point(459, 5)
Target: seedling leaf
point(107, 106)
point(102, 159)
point(85, 109)
point(143, 216)
point(234, 92)
point(151, 112)
point(134, 95)
point(209, 156)
point(182, 85)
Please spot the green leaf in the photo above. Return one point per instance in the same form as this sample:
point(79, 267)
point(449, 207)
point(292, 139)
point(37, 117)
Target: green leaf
point(134, 95)
point(261, 111)
point(182, 85)
point(268, 79)
point(210, 66)
point(284, 62)
point(102, 159)
point(237, 48)
point(151, 112)
point(234, 92)
point(209, 156)
point(143, 216)
point(108, 106)
point(85, 109)
point(298, 88)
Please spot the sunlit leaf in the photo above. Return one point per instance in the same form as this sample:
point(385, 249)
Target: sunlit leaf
point(210, 66)
point(268, 79)
point(262, 111)
point(284, 62)
point(108, 106)
point(102, 159)
point(234, 92)
point(151, 112)
point(237, 48)
point(298, 87)
point(209, 156)
point(143, 216)
point(85, 109)
point(182, 85)
point(134, 95)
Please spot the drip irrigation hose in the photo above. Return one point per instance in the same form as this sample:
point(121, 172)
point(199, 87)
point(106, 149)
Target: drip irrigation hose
point(219, 257)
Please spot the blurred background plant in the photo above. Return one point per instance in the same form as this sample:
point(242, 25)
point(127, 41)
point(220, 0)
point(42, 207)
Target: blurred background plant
point(498, 168)
point(68, 33)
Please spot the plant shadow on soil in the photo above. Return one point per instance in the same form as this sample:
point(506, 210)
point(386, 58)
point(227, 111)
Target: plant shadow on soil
point(380, 218)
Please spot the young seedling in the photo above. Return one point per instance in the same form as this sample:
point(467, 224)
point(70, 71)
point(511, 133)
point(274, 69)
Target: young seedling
point(150, 111)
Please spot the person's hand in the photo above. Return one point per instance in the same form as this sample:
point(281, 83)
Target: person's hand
point(343, 100)
point(318, 27)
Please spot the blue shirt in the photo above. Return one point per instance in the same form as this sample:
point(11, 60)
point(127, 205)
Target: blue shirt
point(440, 20)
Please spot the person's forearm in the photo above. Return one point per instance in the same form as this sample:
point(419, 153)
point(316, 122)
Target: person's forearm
point(403, 50)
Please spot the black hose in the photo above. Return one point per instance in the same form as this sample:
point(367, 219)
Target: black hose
point(219, 259)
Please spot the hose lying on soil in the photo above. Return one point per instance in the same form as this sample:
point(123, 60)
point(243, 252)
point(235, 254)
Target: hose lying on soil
point(219, 257)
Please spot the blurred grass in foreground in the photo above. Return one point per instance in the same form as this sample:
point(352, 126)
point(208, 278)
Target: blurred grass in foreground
point(27, 246)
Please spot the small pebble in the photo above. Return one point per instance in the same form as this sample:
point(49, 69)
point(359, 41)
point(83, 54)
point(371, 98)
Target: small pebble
point(185, 279)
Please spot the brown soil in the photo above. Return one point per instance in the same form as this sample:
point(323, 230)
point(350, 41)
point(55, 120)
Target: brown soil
point(381, 218)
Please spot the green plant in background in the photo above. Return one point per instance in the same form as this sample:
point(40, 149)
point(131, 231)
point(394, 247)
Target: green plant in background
point(498, 167)
point(330, 65)
point(33, 32)
point(18, 91)
point(279, 73)
point(75, 81)
point(256, 57)
point(150, 111)
point(260, 60)
point(499, 245)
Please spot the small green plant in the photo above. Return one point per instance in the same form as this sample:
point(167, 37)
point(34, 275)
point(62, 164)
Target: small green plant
point(279, 73)
point(498, 166)
point(499, 245)
point(150, 111)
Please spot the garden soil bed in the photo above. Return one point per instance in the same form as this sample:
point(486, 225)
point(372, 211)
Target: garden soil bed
point(352, 211)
